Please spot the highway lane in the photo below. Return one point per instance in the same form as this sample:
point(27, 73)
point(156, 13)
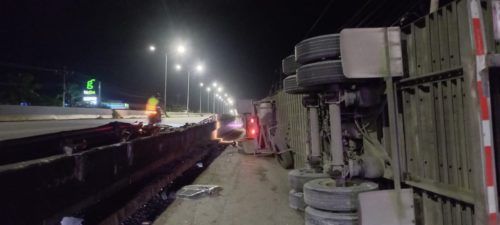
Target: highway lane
point(10, 130)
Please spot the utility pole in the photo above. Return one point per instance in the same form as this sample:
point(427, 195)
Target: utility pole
point(99, 95)
point(64, 87)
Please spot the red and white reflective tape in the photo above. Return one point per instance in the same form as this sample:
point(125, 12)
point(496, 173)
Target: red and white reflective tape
point(484, 102)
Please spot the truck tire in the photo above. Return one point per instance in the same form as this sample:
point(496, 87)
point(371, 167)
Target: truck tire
point(290, 85)
point(289, 65)
point(320, 73)
point(296, 200)
point(298, 177)
point(319, 217)
point(326, 195)
point(317, 48)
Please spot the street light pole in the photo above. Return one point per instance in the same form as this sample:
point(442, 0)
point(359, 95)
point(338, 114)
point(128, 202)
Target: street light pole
point(165, 85)
point(213, 105)
point(187, 104)
point(180, 50)
point(201, 89)
point(208, 101)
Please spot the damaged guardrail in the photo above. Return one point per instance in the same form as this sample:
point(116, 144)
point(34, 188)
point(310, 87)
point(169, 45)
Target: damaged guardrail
point(51, 187)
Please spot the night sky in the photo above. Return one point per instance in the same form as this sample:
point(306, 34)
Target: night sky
point(241, 42)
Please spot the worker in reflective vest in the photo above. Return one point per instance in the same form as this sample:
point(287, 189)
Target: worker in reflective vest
point(153, 110)
point(152, 104)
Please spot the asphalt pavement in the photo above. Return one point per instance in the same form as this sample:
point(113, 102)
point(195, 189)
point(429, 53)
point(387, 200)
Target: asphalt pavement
point(11, 130)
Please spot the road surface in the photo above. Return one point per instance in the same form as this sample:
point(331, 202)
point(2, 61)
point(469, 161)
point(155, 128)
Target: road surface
point(10, 130)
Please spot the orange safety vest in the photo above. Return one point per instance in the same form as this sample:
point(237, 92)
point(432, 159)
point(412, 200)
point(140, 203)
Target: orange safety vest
point(152, 103)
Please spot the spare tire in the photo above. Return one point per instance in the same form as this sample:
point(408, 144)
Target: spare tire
point(326, 195)
point(296, 200)
point(317, 48)
point(320, 73)
point(289, 65)
point(298, 177)
point(319, 217)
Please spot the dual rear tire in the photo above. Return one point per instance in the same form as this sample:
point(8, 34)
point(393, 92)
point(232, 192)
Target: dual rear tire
point(329, 203)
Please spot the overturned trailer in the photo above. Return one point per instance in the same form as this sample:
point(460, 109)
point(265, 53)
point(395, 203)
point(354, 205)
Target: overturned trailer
point(414, 109)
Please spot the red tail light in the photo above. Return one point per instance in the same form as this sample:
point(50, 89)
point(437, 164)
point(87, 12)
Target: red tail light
point(252, 127)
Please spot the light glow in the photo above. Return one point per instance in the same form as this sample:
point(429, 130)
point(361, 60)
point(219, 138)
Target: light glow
point(199, 68)
point(181, 49)
point(178, 67)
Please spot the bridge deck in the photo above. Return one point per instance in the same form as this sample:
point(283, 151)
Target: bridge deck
point(255, 191)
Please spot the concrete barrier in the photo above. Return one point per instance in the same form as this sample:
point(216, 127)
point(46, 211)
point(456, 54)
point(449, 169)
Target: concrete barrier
point(183, 114)
point(140, 114)
point(129, 114)
point(12, 113)
point(28, 113)
point(42, 191)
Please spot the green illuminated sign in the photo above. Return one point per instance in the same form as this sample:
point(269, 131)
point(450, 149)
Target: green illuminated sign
point(90, 84)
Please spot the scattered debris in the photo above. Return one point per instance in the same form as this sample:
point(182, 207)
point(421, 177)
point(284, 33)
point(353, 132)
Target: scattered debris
point(199, 165)
point(196, 191)
point(71, 221)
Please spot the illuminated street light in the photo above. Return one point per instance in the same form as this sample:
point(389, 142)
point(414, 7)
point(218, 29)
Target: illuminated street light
point(214, 84)
point(199, 68)
point(225, 95)
point(178, 67)
point(220, 89)
point(201, 84)
point(181, 49)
